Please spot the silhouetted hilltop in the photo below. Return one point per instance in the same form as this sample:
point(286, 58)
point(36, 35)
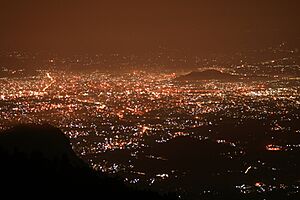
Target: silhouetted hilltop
point(206, 75)
point(39, 158)
point(46, 140)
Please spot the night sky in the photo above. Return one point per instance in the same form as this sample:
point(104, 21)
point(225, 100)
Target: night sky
point(199, 25)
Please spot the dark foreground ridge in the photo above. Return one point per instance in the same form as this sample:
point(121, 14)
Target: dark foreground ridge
point(39, 158)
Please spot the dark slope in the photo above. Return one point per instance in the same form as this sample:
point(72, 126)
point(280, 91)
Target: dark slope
point(46, 140)
point(39, 159)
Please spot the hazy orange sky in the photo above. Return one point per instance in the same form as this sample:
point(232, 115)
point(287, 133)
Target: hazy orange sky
point(134, 25)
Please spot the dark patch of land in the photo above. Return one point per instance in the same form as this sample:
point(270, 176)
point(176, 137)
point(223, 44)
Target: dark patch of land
point(38, 159)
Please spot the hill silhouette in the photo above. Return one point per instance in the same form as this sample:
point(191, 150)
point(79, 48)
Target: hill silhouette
point(207, 75)
point(39, 159)
point(46, 140)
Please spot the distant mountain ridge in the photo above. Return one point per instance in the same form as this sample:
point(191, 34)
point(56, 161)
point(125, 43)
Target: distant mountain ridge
point(210, 74)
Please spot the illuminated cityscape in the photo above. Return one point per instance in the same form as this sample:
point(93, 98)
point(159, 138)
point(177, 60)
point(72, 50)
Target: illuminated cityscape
point(114, 120)
point(152, 100)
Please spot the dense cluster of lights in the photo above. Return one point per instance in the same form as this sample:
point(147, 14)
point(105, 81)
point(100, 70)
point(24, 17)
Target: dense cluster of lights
point(122, 110)
point(102, 112)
